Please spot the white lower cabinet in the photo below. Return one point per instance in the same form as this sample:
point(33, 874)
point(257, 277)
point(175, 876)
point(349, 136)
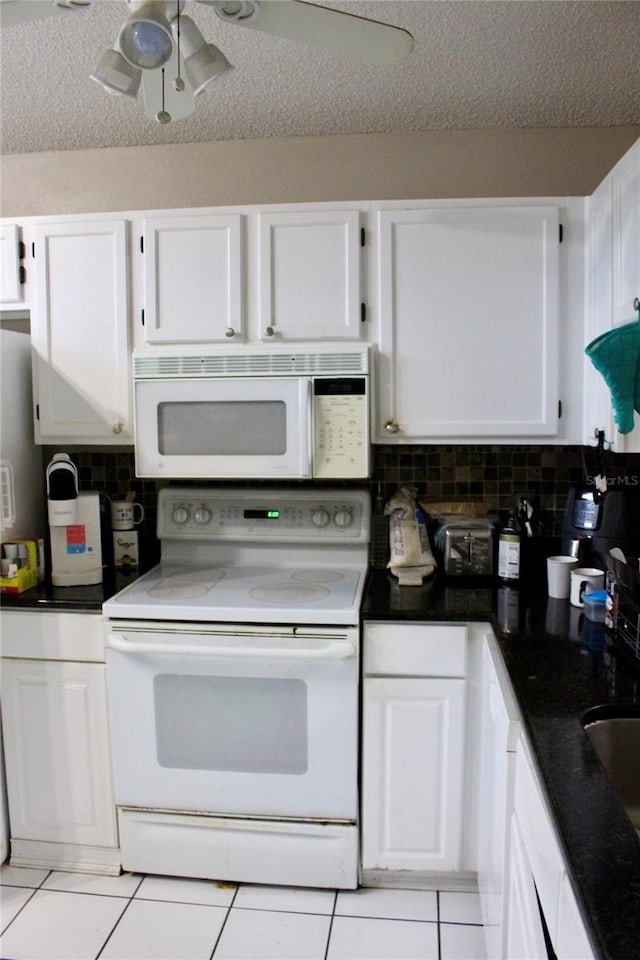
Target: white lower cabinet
point(529, 907)
point(414, 697)
point(61, 808)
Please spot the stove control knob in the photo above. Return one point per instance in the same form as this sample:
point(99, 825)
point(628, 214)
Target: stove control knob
point(202, 516)
point(180, 515)
point(343, 518)
point(320, 517)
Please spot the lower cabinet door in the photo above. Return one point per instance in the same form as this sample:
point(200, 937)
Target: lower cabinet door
point(413, 747)
point(56, 752)
point(525, 933)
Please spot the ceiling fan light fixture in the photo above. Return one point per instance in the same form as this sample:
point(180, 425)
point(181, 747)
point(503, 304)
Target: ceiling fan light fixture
point(115, 75)
point(203, 62)
point(146, 40)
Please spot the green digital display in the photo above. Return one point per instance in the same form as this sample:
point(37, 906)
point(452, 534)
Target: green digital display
point(261, 514)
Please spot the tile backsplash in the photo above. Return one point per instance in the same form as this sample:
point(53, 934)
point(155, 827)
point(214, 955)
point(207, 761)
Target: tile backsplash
point(499, 474)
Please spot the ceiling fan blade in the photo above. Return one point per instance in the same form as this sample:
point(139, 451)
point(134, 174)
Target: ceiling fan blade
point(369, 41)
point(13, 12)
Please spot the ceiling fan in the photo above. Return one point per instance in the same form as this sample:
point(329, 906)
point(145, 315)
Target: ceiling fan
point(162, 49)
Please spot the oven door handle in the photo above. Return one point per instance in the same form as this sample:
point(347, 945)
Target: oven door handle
point(335, 650)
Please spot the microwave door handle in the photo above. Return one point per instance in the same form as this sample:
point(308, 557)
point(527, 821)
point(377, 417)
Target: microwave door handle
point(305, 427)
point(337, 650)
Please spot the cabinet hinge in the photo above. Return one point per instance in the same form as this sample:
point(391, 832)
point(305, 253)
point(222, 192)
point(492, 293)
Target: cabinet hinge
point(141, 244)
point(559, 409)
point(363, 312)
point(363, 237)
point(37, 411)
point(21, 250)
point(142, 316)
point(560, 233)
point(22, 274)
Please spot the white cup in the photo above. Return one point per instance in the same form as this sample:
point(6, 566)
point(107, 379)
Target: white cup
point(123, 514)
point(559, 576)
point(585, 580)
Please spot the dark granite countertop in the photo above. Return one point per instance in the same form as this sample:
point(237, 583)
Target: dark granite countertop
point(560, 665)
point(85, 599)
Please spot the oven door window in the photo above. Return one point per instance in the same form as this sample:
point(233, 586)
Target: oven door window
point(240, 724)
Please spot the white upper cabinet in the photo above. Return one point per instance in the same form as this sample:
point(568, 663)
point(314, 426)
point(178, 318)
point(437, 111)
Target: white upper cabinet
point(468, 318)
point(613, 254)
point(12, 273)
point(80, 331)
point(193, 278)
point(309, 275)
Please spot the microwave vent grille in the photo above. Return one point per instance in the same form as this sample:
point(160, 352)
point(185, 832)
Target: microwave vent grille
point(169, 366)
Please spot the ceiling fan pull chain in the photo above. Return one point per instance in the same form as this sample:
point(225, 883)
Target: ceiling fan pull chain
point(163, 116)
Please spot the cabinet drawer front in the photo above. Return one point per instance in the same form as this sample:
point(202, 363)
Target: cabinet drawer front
point(41, 635)
point(414, 649)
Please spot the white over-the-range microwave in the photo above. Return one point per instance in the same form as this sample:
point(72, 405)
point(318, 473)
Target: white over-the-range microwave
point(240, 412)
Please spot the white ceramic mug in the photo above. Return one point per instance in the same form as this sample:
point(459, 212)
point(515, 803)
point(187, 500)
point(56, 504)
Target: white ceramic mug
point(559, 576)
point(585, 580)
point(123, 514)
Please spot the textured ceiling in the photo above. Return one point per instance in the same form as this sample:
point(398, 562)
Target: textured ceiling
point(476, 64)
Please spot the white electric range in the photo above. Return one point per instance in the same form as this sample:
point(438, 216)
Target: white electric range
point(232, 672)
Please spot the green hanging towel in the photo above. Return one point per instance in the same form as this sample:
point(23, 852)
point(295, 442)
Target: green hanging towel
point(616, 355)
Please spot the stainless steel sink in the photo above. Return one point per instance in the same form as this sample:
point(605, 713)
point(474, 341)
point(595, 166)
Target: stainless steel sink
point(614, 732)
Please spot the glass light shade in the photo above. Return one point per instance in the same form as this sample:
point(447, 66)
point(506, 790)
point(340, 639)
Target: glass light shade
point(145, 40)
point(205, 66)
point(115, 75)
point(203, 61)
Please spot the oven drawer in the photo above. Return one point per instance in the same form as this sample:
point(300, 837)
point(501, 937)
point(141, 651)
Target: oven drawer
point(414, 649)
point(249, 851)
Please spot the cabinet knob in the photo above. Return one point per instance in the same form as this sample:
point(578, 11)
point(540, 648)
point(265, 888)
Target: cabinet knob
point(229, 332)
point(118, 428)
point(391, 426)
point(636, 304)
point(269, 332)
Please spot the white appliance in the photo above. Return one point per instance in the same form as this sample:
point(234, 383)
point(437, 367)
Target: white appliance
point(74, 526)
point(22, 512)
point(22, 487)
point(240, 413)
point(232, 671)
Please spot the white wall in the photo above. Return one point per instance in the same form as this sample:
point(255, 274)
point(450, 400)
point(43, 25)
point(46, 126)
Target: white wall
point(540, 162)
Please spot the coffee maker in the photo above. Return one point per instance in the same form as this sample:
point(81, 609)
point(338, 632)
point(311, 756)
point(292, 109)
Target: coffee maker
point(595, 522)
point(74, 527)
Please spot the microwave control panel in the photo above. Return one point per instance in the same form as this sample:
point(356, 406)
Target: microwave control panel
point(340, 428)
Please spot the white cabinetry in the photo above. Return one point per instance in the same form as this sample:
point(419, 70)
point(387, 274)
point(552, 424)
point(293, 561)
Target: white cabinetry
point(468, 314)
point(80, 331)
point(413, 749)
point(12, 273)
point(309, 274)
point(61, 808)
point(538, 882)
point(193, 278)
point(613, 253)
point(499, 733)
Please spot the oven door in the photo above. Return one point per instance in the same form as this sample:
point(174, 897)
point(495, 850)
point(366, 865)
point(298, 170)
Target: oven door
point(217, 428)
point(262, 722)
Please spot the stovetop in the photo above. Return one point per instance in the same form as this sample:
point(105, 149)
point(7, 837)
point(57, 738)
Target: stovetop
point(254, 556)
point(242, 594)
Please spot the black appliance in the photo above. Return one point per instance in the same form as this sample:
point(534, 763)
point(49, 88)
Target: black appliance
point(595, 522)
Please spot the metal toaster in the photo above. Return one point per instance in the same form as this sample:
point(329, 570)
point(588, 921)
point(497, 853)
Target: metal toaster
point(467, 548)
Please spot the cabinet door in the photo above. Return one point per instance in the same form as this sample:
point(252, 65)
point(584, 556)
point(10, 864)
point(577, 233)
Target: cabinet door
point(525, 934)
point(193, 279)
point(626, 236)
point(309, 264)
point(56, 752)
point(468, 301)
point(413, 744)
point(11, 279)
point(80, 332)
